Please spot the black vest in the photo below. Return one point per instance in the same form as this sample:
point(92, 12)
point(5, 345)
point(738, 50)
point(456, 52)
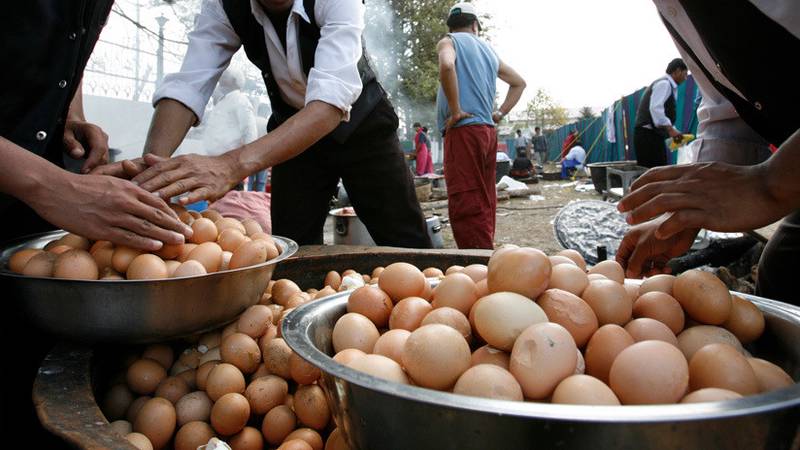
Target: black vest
point(643, 116)
point(252, 36)
point(757, 55)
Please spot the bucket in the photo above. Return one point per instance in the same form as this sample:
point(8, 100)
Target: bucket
point(348, 229)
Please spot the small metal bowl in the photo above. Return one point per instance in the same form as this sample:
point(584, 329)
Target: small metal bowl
point(135, 311)
point(378, 414)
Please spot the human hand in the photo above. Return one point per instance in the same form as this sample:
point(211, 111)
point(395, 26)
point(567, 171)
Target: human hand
point(456, 117)
point(675, 134)
point(641, 253)
point(126, 169)
point(102, 207)
point(200, 177)
point(80, 134)
point(715, 196)
point(497, 116)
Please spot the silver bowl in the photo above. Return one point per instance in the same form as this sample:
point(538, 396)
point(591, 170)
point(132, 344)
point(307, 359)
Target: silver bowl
point(378, 414)
point(135, 311)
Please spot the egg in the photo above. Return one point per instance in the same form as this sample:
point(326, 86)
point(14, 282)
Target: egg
point(348, 355)
point(144, 376)
point(476, 272)
point(74, 241)
point(302, 371)
point(408, 313)
point(649, 372)
point(230, 239)
point(490, 355)
point(722, 366)
point(139, 441)
point(332, 279)
point(646, 329)
point(226, 223)
point(429, 272)
point(211, 214)
point(242, 351)
point(603, 347)
point(255, 321)
point(247, 439)
point(147, 267)
point(311, 407)
point(230, 413)
point(185, 250)
point(746, 321)
point(189, 268)
point(401, 280)
point(662, 307)
point(122, 258)
point(769, 375)
point(372, 303)
point(580, 366)
point(75, 264)
point(571, 312)
point(209, 254)
point(568, 277)
point(136, 407)
point(575, 256)
point(542, 356)
point(278, 423)
point(452, 318)
point(658, 283)
point(500, 317)
point(703, 296)
point(276, 357)
point(192, 435)
point(609, 301)
point(282, 290)
point(194, 406)
point(295, 444)
point(172, 266)
point(453, 269)
point(391, 343)
point(59, 249)
point(584, 390)
point(172, 389)
point(204, 230)
point(324, 292)
point(223, 379)
point(524, 271)
point(251, 227)
point(310, 436)
point(632, 290)
point(249, 254)
point(336, 441)
point(488, 381)
point(556, 260)
point(40, 265)
point(20, 258)
point(710, 395)
point(265, 393)
point(157, 421)
point(117, 401)
point(169, 251)
point(121, 427)
point(435, 356)
point(692, 339)
point(456, 290)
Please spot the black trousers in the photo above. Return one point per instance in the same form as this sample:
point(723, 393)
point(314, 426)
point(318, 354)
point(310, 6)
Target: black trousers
point(650, 148)
point(777, 268)
point(373, 170)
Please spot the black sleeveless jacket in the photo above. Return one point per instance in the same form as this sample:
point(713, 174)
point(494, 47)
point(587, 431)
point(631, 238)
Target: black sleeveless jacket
point(643, 116)
point(252, 37)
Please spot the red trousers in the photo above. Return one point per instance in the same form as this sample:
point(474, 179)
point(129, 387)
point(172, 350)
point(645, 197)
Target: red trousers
point(469, 171)
point(424, 161)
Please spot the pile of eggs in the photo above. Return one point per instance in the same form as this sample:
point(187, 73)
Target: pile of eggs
point(217, 243)
point(539, 328)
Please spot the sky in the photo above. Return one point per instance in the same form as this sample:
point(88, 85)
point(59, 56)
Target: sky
point(583, 52)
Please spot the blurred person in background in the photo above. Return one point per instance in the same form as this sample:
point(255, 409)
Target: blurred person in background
point(573, 161)
point(422, 150)
point(539, 146)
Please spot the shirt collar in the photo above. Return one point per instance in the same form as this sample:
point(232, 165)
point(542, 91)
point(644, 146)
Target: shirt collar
point(672, 82)
point(297, 8)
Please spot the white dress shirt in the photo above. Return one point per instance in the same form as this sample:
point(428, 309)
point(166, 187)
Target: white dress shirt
point(662, 89)
point(577, 153)
point(334, 79)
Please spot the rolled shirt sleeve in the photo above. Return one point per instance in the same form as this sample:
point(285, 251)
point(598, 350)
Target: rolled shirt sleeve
point(661, 92)
point(212, 44)
point(335, 79)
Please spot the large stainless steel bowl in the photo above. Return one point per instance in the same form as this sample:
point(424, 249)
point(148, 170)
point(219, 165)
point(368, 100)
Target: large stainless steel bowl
point(377, 414)
point(134, 311)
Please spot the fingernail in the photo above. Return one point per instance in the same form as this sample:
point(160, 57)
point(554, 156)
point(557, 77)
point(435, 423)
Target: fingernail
point(179, 237)
point(188, 231)
point(135, 183)
point(156, 245)
point(629, 219)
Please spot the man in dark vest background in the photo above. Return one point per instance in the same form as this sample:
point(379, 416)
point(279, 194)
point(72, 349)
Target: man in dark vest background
point(331, 119)
point(655, 116)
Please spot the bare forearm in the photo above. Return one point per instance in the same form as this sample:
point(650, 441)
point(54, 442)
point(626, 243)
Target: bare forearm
point(76, 106)
point(449, 80)
point(25, 172)
point(512, 97)
point(169, 125)
point(781, 172)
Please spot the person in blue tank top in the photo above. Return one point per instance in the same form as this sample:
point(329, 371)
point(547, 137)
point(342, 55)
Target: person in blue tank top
point(468, 72)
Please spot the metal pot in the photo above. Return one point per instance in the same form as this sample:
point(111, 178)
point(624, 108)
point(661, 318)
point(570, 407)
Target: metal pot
point(348, 229)
point(378, 414)
point(598, 172)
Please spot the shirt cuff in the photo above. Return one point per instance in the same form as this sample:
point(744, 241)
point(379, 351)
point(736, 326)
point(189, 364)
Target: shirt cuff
point(182, 92)
point(332, 91)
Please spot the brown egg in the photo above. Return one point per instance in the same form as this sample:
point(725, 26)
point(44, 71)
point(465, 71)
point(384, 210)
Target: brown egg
point(117, 401)
point(251, 226)
point(452, 318)
point(649, 372)
point(121, 427)
point(20, 258)
point(576, 257)
point(483, 288)
point(376, 272)
point(59, 249)
point(502, 316)
point(185, 250)
point(278, 423)
point(401, 280)
point(282, 290)
point(453, 269)
point(347, 355)
point(242, 351)
point(430, 272)
point(596, 276)
point(40, 265)
point(488, 381)
point(99, 245)
point(265, 393)
point(379, 366)
point(172, 266)
point(230, 239)
point(311, 406)
point(193, 435)
point(249, 254)
point(230, 413)
point(157, 421)
point(658, 283)
point(194, 406)
point(223, 379)
point(556, 260)
point(477, 272)
point(632, 290)
point(435, 356)
point(122, 258)
point(703, 296)
point(568, 277)
point(210, 214)
point(74, 241)
point(769, 375)
point(584, 390)
point(147, 267)
point(456, 290)
point(333, 279)
point(611, 269)
point(209, 254)
point(542, 356)
point(139, 441)
point(646, 329)
point(310, 436)
point(746, 321)
point(226, 223)
point(353, 330)
point(262, 236)
point(295, 444)
point(525, 271)
point(490, 355)
point(722, 366)
point(391, 344)
point(326, 291)
point(710, 395)
point(408, 313)
point(427, 292)
point(247, 439)
point(135, 408)
point(571, 312)
point(603, 347)
point(693, 339)
point(609, 301)
point(172, 389)
point(662, 307)
point(75, 265)
point(302, 371)
point(144, 376)
point(204, 230)
point(276, 357)
point(210, 356)
point(336, 441)
point(372, 303)
point(255, 321)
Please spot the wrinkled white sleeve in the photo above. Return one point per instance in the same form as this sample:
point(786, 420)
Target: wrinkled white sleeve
point(212, 43)
point(661, 92)
point(334, 79)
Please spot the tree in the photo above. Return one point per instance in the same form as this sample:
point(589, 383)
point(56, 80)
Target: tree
point(544, 112)
point(586, 113)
